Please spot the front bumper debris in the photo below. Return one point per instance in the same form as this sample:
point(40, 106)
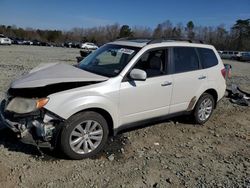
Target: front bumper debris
point(30, 129)
point(4, 122)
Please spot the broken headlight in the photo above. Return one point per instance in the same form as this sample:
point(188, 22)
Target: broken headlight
point(23, 105)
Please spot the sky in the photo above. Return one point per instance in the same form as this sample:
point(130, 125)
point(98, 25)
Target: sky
point(67, 14)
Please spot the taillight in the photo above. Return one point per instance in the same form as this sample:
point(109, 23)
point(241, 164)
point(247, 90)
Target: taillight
point(224, 72)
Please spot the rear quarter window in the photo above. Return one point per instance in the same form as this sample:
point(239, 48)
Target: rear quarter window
point(207, 57)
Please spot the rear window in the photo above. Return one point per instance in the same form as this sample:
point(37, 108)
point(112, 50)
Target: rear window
point(207, 57)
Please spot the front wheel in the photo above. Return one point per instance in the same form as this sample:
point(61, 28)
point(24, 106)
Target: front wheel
point(84, 135)
point(204, 108)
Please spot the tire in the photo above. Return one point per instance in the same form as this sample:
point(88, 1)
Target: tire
point(204, 108)
point(84, 135)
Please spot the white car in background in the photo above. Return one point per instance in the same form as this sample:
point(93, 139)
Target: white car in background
point(88, 46)
point(4, 40)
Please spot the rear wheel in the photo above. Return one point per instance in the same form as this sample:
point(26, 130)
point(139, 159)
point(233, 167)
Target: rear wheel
point(204, 108)
point(84, 135)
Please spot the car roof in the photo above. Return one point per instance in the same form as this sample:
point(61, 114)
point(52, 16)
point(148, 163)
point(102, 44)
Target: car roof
point(159, 43)
point(129, 43)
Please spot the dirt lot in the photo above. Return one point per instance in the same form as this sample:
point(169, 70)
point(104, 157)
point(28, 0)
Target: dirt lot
point(175, 153)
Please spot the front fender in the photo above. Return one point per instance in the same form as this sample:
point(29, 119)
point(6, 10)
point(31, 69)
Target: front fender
point(70, 106)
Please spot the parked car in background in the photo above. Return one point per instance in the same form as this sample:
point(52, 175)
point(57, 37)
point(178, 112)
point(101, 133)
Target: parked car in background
point(27, 42)
point(44, 44)
point(219, 52)
point(75, 45)
point(68, 44)
point(228, 54)
point(4, 40)
point(245, 56)
point(237, 55)
point(88, 46)
point(17, 41)
point(36, 42)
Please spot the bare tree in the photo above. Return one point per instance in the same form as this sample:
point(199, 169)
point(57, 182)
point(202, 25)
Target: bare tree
point(158, 32)
point(112, 32)
point(142, 32)
point(238, 38)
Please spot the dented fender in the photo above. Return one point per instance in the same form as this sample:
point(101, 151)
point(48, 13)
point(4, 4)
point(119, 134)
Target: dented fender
point(67, 103)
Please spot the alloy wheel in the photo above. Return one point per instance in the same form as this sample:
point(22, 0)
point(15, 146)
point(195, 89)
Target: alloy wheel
point(205, 109)
point(86, 137)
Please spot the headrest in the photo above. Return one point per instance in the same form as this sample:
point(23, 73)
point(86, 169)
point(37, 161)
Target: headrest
point(155, 63)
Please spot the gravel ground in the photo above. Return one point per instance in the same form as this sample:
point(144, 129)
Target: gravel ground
point(174, 153)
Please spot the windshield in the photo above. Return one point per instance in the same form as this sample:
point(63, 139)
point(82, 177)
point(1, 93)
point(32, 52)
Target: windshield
point(109, 60)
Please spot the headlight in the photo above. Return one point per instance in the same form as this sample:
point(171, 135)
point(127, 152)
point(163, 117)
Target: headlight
point(22, 105)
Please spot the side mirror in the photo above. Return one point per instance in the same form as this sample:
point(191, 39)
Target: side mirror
point(138, 74)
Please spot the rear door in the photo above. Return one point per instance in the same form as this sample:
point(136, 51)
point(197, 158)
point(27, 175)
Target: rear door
point(189, 79)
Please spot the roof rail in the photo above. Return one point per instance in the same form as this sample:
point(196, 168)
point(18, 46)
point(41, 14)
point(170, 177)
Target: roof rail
point(133, 38)
point(159, 40)
point(174, 40)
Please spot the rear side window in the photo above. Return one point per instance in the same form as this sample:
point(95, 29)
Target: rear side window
point(185, 59)
point(207, 57)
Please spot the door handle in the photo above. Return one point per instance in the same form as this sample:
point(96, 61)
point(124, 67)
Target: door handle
point(167, 83)
point(202, 77)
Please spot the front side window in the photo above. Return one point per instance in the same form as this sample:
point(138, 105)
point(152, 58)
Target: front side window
point(153, 63)
point(185, 59)
point(109, 60)
point(207, 57)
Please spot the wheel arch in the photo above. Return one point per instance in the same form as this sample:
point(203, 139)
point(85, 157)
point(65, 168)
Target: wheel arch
point(195, 99)
point(214, 93)
point(107, 116)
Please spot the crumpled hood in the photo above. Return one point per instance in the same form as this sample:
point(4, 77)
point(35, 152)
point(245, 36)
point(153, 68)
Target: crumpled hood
point(55, 73)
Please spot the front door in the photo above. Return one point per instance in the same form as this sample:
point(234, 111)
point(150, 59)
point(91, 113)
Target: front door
point(141, 100)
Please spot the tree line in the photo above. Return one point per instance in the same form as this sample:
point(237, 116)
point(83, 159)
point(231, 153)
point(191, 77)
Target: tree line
point(235, 38)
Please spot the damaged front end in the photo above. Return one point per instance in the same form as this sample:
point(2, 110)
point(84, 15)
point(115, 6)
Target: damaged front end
point(30, 121)
point(23, 112)
point(24, 108)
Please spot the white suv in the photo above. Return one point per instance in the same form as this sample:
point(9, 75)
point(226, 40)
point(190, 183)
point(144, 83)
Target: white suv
point(120, 85)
